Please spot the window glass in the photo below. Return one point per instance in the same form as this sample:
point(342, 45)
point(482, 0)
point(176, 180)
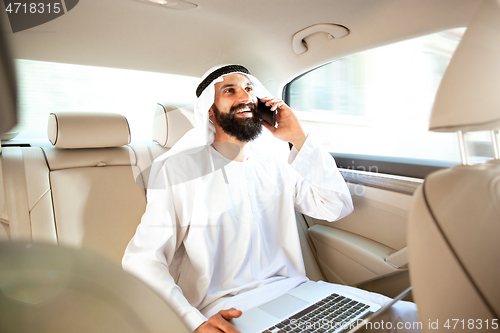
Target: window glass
point(378, 102)
point(46, 87)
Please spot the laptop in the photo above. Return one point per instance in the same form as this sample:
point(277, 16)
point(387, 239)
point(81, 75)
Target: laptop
point(312, 307)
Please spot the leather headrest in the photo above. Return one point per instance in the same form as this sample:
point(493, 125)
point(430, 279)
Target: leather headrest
point(171, 122)
point(88, 130)
point(468, 98)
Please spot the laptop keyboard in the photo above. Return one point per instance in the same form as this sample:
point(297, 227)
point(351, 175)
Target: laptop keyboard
point(332, 313)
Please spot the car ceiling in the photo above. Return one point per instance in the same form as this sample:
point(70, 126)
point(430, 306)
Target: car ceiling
point(258, 33)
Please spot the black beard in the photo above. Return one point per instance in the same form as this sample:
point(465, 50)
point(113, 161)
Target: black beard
point(243, 129)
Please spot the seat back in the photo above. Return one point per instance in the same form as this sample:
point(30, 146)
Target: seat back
point(48, 288)
point(454, 253)
point(89, 189)
point(97, 202)
point(27, 212)
point(454, 223)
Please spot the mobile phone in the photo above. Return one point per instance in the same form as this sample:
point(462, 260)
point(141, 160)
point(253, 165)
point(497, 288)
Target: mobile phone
point(264, 112)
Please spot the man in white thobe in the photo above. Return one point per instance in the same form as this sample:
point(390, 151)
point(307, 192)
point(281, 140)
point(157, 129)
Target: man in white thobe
point(219, 234)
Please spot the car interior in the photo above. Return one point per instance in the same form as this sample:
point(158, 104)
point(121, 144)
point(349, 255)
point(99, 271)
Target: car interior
point(424, 178)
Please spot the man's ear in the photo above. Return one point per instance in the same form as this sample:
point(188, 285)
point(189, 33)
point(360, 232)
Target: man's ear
point(211, 115)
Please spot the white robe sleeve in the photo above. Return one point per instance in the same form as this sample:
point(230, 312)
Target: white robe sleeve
point(151, 251)
point(320, 190)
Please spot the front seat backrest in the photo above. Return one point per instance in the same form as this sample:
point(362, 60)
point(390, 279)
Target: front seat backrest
point(454, 223)
point(48, 289)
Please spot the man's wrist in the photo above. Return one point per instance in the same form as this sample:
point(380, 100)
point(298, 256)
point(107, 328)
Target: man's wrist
point(299, 140)
point(199, 329)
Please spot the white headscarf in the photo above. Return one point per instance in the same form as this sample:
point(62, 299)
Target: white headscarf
point(204, 131)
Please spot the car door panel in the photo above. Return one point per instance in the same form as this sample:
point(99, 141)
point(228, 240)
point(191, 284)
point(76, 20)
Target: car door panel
point(369, 244)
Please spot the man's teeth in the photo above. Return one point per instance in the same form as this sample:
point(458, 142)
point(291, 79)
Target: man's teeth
point(243, 111)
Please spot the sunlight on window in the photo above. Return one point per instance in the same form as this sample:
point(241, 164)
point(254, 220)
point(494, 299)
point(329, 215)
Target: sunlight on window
point(46, 87)
point(378, 102)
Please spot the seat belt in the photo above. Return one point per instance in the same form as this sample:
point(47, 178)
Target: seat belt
point(16, 195)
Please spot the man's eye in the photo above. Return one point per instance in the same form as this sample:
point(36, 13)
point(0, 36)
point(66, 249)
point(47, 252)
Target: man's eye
point(249, 88)
point(230, 90)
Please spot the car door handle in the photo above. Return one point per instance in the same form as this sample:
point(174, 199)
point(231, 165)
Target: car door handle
point(398, 259)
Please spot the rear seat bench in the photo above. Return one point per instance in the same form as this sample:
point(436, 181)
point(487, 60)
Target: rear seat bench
point(86, 191)
point(89, 189)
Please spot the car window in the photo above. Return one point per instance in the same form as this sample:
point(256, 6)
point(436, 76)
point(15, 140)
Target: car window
point(378, 102)
point(45, 87)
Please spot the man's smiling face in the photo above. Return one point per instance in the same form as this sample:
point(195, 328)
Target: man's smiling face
point(235, 107)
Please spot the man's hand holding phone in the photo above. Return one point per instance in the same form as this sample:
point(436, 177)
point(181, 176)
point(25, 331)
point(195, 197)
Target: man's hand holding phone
point(289, 128)
point(265, 113)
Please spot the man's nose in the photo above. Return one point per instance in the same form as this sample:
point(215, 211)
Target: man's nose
point(246, 96)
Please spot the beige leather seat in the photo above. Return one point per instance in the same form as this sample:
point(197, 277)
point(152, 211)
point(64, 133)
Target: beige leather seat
point(98, 201)
point(88, 191)
point(454, 224)
point(50, 289)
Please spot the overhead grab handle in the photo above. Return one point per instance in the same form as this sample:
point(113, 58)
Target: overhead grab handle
point(334, 30)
